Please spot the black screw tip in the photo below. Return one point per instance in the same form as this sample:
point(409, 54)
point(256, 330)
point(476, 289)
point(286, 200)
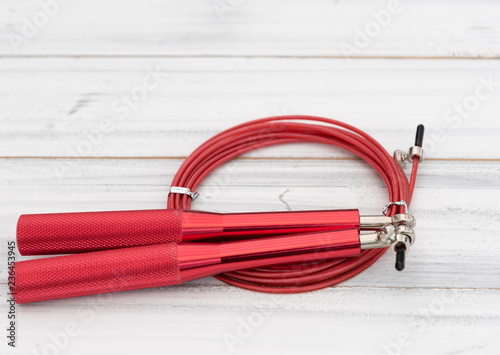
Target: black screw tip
point(419, 137)
point(400, 257)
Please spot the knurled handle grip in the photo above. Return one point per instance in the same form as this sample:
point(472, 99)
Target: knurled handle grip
point(66, 233)
point(97, 272)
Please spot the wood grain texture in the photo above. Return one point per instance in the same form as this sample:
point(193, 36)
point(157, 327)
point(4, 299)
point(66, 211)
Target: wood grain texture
point(255, 28)
point(68, 143)
point(191, 319)
point(473, 200)
point(61, 104)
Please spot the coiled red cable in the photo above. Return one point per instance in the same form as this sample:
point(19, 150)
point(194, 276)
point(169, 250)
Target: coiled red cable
point(291, 129)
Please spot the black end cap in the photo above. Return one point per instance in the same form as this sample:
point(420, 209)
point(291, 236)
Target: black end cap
point(400, 257)
point(419, 137)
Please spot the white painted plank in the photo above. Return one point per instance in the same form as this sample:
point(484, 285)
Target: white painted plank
point(457, 217)
point(187, 320)
point(446, 299)
point(57, 106)
point(258, 27)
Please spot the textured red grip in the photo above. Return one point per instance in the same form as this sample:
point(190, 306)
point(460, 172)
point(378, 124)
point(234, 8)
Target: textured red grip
point(97, 272)
point(66, 233)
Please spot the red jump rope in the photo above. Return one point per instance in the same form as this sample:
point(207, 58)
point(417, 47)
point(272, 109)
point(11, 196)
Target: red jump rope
point(276, 252)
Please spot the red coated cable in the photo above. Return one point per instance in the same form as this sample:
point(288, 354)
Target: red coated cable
point(291, 129)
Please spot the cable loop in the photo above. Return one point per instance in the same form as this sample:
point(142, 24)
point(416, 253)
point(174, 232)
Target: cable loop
point(397, 203)
point(271, 131)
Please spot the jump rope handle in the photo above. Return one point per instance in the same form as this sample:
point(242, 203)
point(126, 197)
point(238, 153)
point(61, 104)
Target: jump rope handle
point(79, 232)
point(70, 233)
point(97, 272)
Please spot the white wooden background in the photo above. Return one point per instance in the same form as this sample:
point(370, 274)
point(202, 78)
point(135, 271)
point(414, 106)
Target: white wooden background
point(259, 58)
